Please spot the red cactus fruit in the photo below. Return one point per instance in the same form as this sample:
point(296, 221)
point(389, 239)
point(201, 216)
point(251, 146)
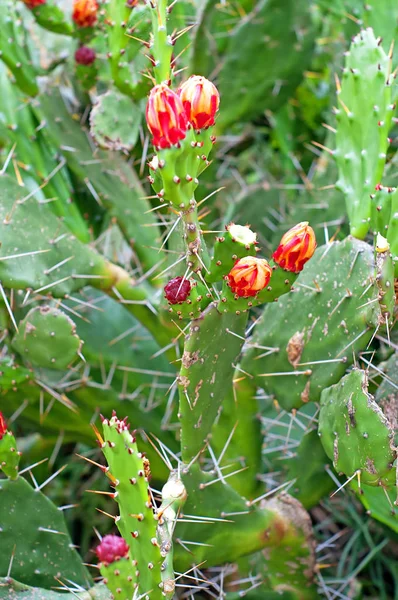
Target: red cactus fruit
point(3, 426)
point(85, 56)
point(111, 548)
point(177, 290)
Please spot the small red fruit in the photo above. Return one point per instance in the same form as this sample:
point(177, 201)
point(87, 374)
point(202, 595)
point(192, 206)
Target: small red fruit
point(3, 426)
point(249, 276)
point(33, 3)
point(111, 548)
point(177, 290)
point(201, 100)
point(85, 56)
point(165, 117)
point(85, 12)
point(295, 248)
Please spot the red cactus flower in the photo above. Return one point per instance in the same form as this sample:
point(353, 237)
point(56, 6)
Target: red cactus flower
point(85, 56)
point(85, 12)
point(33, 3)
point(111, 548)
point(295, 248)
point(248, 276)
point(177, 290)
point(3, 426)
point(165, 117)
point(201, 100)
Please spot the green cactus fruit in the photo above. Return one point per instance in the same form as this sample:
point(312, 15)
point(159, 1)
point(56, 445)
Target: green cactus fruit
point(51, 17)
point(364, 116)
point(385, 280)
point(47, 338)
point(13, 590)
point(206, 371)
point(115, 122)
point(187, 298)
point(129, 473)
point(355, 433)
point(9, 455)
point(34, 530)
point(12, 375)
point(298, 348)
point(115, 566)
point(38, 251)
point(236, 243)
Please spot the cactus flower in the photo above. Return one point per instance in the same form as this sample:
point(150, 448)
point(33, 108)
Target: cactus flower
point(85, 56)
point(201, 100)
point(111, 548)
point(85, 12)
point(3, 426)
point(295, 248)
point(165, 117)
point(33, 3)
point(177, 290)
point(249, 276)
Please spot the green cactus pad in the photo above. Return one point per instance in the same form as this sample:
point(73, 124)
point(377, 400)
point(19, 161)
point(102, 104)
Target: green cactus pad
point(31, 525)
point(117, 577)
point(355, 433)
point(385, 280)
point(237, 242)
point(207, 367)
point(9, 455)
point(380, 504)
point(137, 524)
point(29, 229)
point(51, 17)
point(115, 122)
point(363, 115)
point(300, 347)
point(13, 590)
point(12, 375)
point(392, 232)
point(387, 393)
point(47, 338)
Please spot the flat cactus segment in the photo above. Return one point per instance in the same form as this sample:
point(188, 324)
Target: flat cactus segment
point(210, 352)
point(47, 338)
point(237, 242)
point(9, 455)
point(130, 473)
point(232, 528)
point(263, 38)
point(36, 529)
point(37, 250)
point(364, 116)
point(387, 393)
point(117, 577)
point(51, 17)
point(115, 122)
point(385, 280)
point(380, 504)
point(12, 375)
point(302, 333)
point(392, 232)
point(13, 590)
point(355, 433)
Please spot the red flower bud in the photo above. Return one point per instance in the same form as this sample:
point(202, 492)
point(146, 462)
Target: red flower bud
point(33, 3)
point(3, 426)
point(85, 12)
point(165, 117)
point(111, 548)
point(201, 100)
point(248, 276)
point(85, 56)
point(177, 290)
point(296, 248)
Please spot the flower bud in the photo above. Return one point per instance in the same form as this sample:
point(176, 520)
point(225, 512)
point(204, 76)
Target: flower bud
point(3, 426)
point(201, 100)
point(33, 3)
point(177, 290)
point(249, 276)
point(85, 56)
point(165, 117)
point(85, 12)
point(295, 248)
point(111, 548)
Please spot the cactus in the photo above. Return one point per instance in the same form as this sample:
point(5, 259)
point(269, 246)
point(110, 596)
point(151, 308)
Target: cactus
point(209, 319)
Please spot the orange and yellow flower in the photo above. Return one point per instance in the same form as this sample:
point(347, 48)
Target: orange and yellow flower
point(249, 276)
point(85, 13)
point(296, 247)
point(201, 100)
point(165, 117)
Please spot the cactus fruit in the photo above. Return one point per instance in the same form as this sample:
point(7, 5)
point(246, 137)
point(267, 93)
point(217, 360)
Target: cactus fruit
point(355, 433)
point(85, 56)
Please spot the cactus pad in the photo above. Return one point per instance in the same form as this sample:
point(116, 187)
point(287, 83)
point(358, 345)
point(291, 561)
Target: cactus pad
point(115, 122)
